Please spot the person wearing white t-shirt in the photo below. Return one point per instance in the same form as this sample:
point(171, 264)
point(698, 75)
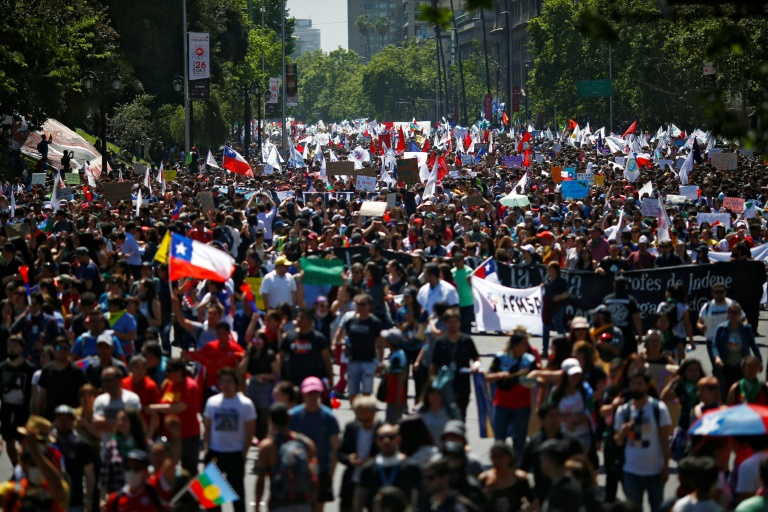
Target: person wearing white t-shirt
point(114, 399)
point(278, 287)
point(643, 428)
point(712, 314)
point(230, 423)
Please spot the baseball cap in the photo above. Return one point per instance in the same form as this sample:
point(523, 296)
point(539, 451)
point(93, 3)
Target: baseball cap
point(106, 338)
point(282, 260)
point(579, 322)
point(64, 409)
point(311, 384)
point(571, 366)
point(393, 336)
point(455, 427)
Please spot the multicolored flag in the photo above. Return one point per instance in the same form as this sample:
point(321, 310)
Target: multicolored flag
point(211, 488)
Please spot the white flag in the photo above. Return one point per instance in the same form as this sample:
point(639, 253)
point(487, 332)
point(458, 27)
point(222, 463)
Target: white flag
point(646, 189)
point(686, 168)
point(146, 177)
point(210, 161)
point(429, 188)
point(616, 229)
point(55, 193)
point(160, 174)
point(662, 231)
point(13, 203)
point(138, 202)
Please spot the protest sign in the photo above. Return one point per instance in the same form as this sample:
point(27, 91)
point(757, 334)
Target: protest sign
point(500, 308)
point(675, 199)
point(619, 160)
point(365, 183)
point(311, 197)
point(169, 175)
point(734, 204)
point(116, 192)
point(72, 178)
point(690, 191)
point(340, 168)
point(570, 172)
point(282, 195)
point(367, 171)
point(649, 207)
point(711, 218)
point(373, 208)
point(391, 200)
point(38, 178)
point(408, 171)
point(600, 180)
point(574, 189)
point(205, 200)
point(583, 176)
point(724, 161)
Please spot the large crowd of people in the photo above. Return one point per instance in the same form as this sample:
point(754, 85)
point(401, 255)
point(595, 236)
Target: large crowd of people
point(118, 385)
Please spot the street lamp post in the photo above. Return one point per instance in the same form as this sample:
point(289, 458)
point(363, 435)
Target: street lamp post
point(187, 106)
point(98, 81)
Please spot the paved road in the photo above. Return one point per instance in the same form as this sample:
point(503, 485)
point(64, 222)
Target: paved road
point(487, 346)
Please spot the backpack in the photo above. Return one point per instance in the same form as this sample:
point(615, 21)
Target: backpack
point(625, 417)
point(292, 480)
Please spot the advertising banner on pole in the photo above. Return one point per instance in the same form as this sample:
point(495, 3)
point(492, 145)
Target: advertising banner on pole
point(199, 56)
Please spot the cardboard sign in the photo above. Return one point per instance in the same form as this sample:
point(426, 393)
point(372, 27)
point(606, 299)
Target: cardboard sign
point(690, 191)
point(570, 172)
point(649, 207)
point(724, 161)
point(38, 178)
point(282, 195)
point(366, 171)
point(557, 173)
point(574, 189)
point(391, 200)
point(373, 208)
point(600, 180)
point(408, 171)
point(72, 178)
point(366, 183)
point(116, 192)
point(734, 204)
point(205, 200)
point(675, 199)
point(583, 176)
point(169, 175)
point(340, 168)
point(711, 218)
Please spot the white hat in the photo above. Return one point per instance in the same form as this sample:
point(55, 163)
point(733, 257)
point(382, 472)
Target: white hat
point(571, 366)
point(643, 239)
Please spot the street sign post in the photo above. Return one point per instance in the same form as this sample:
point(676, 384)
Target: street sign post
point(594, 88)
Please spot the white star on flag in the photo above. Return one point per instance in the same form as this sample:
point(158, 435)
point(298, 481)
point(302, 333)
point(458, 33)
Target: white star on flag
point(181, 249)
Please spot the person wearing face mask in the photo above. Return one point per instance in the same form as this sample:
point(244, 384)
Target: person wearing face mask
point(40, 486)
point(136, 495)
point(16, 390)
point(79, 459)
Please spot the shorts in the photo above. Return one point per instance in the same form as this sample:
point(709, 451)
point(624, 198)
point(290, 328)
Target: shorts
point(360, 377)
point(324, 487)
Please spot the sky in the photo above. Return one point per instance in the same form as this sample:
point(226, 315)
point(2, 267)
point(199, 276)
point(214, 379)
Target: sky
point(330, 16)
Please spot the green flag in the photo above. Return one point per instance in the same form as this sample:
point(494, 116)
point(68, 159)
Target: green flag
point(322, 271)
point(188, 158)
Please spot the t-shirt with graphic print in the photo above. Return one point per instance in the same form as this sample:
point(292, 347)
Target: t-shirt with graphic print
point(302, 353)
point(362, 336)
point(228, 417)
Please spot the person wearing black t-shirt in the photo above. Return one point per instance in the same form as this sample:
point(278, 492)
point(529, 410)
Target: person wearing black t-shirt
point(305, 353)
point(457, 351)
point(364, 346)
point(613, 263)
point(261, 363)
point(625, 313)
point(60, 380)
point(79, 458)
point(15, 391)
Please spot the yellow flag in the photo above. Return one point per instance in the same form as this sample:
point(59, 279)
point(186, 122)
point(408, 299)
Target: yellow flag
point(161, 255)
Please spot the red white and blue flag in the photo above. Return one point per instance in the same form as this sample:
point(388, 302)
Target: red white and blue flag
point(190, 258)
point(176, 213)
point(235, 163)
point(487, 270)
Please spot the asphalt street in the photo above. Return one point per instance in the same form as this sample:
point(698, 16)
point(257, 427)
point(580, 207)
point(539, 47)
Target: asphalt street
point(487, 346)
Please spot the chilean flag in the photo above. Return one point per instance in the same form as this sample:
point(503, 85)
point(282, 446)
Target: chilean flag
point(487, 270)
point(235, 163)
point(190, 258)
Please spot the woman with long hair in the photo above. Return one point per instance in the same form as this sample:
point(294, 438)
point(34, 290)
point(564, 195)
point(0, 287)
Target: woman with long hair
point(505, 486)
point(574, 399)
point(126, 434)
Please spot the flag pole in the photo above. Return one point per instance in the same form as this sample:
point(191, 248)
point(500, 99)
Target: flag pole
point(181, 493)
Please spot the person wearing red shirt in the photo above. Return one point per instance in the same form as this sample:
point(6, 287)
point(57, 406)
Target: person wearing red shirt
point(223, 352)
point(181, 398)
point(199, 232)
point(145, 387)
point(137, 495)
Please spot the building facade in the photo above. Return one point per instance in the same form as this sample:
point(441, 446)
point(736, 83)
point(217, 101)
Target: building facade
point(307, 37)
point(372, 25)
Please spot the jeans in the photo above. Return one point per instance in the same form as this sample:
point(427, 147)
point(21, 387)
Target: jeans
point(360, 377)
point(636, 485)
point(557, 324)
point(512, 422)
point(232, 464)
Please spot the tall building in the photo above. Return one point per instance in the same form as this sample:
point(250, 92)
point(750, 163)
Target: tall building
point(307, 37)
point(372, 25)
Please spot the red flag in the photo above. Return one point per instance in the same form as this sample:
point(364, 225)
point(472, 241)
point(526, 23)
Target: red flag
point(373, 148)
point(24, 271)
point(527, 158)
point(87, 193)
point(486, 136)
point(431, 161)
point(572, 125)
point(442, 168)
point(467, 141)
point(631, 129)
point(505, 119)
point(247, 292)
point(386, 138)
point(525, 138)
point(458, 160)
point(427, 145)
point(300, 148)
point(400, 140)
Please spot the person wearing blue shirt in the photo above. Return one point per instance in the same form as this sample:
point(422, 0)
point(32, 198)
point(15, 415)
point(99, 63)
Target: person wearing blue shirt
point(85, 344)
point(123, 324)
point(130, 249)
point(318, 423)
point(734, 339)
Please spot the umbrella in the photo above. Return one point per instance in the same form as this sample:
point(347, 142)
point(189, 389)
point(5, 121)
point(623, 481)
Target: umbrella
point(739, 420)
point(512, 200)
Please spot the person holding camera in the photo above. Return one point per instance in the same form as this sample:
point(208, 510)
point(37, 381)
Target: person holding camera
point(512, 400)
point(643, 428)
